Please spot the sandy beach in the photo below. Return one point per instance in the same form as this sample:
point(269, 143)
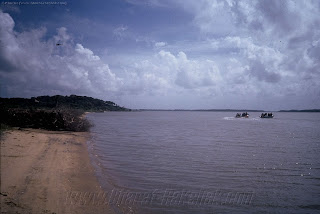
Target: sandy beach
point(42, 172)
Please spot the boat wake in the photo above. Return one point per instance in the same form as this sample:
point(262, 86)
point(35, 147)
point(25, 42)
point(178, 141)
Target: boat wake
point(241, 118)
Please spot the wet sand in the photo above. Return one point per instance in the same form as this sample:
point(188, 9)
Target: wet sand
point(45, 171)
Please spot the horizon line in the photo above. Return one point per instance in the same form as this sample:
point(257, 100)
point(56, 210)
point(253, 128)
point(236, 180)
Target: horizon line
point(230, 110)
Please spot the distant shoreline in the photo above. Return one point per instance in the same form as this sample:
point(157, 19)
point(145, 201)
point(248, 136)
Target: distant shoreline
point(305, 110)
point(228, 110)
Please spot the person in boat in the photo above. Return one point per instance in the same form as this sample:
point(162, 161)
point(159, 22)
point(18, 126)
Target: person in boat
point(238, 115)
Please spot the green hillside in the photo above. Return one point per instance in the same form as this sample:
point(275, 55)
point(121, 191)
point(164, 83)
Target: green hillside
point(54, 102)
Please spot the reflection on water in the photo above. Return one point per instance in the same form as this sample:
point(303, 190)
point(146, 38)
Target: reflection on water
point(204, 161)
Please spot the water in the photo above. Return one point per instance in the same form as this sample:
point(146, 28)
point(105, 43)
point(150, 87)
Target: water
point(208, 162)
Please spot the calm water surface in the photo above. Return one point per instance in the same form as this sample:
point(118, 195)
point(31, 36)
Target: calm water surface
point(208, 162)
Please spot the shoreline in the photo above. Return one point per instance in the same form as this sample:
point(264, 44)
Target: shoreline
point(43, 172)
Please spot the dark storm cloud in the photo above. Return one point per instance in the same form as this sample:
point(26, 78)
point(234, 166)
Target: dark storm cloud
point(278, 14)
point(5, 65)
point(314, 52)
point(258, 70)
point(300, 40)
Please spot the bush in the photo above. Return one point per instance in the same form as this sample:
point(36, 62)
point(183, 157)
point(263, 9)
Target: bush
point(58, 119)
point(74, 120)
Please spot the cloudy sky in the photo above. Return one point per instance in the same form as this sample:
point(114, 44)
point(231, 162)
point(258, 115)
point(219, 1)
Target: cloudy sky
point(187, 54)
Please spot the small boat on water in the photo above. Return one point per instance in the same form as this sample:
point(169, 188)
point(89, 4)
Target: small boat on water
point(267, 115)
point(243, 115)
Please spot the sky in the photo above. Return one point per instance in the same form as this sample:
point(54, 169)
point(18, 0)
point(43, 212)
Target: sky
point(164, 54)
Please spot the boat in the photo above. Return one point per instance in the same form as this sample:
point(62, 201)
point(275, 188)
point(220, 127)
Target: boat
point(267, 115)
point(243, 115)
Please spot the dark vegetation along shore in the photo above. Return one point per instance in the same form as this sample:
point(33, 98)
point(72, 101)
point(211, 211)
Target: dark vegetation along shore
point(52, 112)
point(304, 110)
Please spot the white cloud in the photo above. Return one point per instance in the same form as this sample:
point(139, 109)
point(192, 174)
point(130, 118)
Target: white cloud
point(40, 66)
point(166, 73)
point(236, 48)
point(160, 44)
point(87, 52)
point(148, 3)
point(262, 48)
point(30, 65)
point(120, 32)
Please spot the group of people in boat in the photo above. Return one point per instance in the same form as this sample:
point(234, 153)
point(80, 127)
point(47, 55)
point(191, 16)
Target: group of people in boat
point(263, 115)
point(266, 115)
point(244, 114)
